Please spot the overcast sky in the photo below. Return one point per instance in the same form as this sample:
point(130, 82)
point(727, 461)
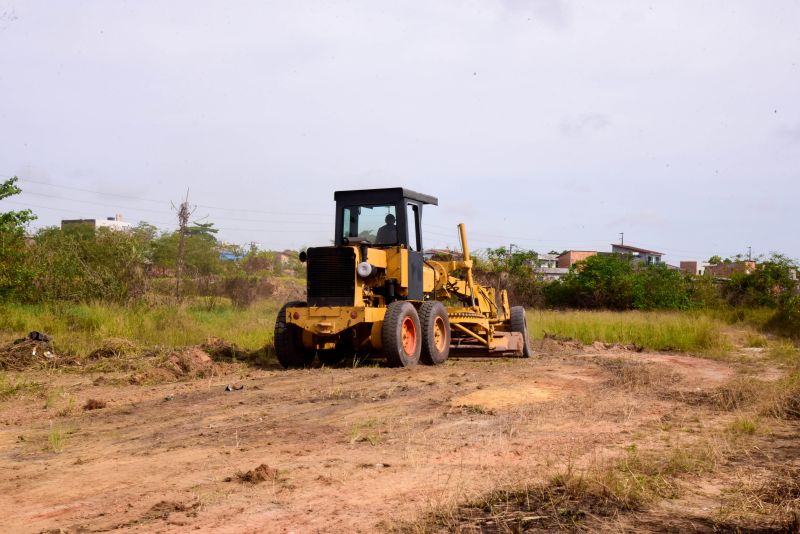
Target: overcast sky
point(548, 124)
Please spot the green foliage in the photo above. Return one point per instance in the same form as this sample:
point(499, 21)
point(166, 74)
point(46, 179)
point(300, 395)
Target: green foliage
point(597, 282)
point(13, 248)
point(201, 255)
point(518, 262)
point(76, 266)
point(786, 320)
point(615, 281)
point(765, 286)
point(13, 220)
point(659, 287)
point(715, 260)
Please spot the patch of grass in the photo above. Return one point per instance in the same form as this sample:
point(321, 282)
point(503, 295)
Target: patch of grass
point(739, 393)
point(81, 329)
point(776, 496)
point(678, 331)
point(56, 438)
point(11, 387)
point(69, 409)
point(571, 497)
point(635, 375)
point(52, 397)
point(756, 341)
point(784, 351)
point(366, 431)
point(784, 400)
point(743, 425)
point(756, 317)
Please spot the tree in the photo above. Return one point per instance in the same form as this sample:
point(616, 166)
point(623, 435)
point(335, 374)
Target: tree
point(518, 262)
point(715, 260)
point(13, 220)
point(765, 286)
point(13, 250)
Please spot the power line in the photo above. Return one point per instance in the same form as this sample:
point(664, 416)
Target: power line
point(130, 197)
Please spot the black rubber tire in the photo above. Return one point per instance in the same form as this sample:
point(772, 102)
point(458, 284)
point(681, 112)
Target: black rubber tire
point(519, 323)
point(429, 313)
point(397, 313)
point(288, 341)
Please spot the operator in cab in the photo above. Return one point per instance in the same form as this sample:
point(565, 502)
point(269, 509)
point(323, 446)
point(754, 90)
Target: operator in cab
point(387, 234)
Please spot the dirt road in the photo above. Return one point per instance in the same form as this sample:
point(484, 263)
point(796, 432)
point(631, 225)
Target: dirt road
point(343, 450)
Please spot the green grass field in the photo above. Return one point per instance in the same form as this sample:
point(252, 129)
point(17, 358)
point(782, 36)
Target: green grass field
point(679, 331)
point(78, 329)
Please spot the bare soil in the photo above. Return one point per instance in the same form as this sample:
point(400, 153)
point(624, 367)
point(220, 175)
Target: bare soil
point(351, 449)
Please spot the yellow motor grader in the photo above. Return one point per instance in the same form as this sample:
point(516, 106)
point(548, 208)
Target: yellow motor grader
point(374, 292)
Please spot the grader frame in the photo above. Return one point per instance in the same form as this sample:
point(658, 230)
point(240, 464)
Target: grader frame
point(370, 296)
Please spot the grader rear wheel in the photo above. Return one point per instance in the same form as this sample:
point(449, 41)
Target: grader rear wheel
point(435, 333)
point(401, 331)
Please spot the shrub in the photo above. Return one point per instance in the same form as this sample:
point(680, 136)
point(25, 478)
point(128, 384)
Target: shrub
point(786, 320)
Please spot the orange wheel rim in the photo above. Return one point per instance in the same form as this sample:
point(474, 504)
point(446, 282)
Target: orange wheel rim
point(439, 334)
point(409, 334)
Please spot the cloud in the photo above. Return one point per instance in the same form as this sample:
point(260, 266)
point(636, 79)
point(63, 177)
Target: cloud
point(588, 122)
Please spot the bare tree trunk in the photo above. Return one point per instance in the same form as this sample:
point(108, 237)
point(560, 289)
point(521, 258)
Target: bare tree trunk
point(183, 222)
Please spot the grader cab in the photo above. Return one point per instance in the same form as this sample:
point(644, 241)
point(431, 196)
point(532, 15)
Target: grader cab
point(373, 292)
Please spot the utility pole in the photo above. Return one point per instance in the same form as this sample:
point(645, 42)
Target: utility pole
point(184, 212)
point(749, 253)
point(622, 238)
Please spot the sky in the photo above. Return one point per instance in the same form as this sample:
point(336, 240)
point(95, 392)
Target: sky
point(547, 124)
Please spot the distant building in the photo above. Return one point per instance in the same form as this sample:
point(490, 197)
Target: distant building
point(640, 255)
point(570, 257)
point(546, 267)
point(551, 273)
point(112, 223)
point(547, 260)
point(724, 270)
point(694, 267)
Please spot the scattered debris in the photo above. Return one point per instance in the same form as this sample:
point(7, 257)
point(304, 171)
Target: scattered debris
point(221, 350)
point(191, 362)
point(374, 466)
point(169, 398)
point(25, 353)
point(260, 474)
point(94, 404)
point(163, 509)
point(114, 347)
point(38, 336)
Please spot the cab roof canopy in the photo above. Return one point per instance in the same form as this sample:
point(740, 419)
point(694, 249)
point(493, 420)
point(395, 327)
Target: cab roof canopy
point(388, 195)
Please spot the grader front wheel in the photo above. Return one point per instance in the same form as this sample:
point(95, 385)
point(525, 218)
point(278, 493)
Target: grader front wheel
point(401, 333)
point(288, 341)
point(519, 323)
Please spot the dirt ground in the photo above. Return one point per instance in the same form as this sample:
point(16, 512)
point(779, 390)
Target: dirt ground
point(364, 449)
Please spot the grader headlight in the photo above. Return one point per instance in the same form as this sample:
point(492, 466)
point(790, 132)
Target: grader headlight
point(364, 269)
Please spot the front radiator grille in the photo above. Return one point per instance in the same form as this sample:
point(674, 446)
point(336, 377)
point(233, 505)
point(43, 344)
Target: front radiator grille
point(331, 279)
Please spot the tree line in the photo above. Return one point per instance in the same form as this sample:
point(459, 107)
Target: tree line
point(81, 263)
